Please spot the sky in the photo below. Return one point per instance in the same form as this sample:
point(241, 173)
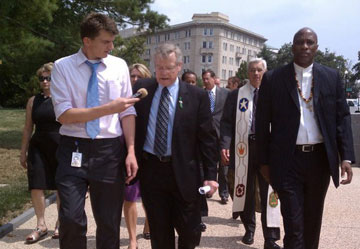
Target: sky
point(337, 23)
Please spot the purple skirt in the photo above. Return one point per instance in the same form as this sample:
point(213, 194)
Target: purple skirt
point(132, 192)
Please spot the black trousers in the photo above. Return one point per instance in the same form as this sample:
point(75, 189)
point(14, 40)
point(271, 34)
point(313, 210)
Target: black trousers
point(166, 209)
point(248, 215)
point(302, 199)
point(102, 171)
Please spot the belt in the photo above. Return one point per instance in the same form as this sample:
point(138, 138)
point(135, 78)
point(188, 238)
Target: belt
point(162, 159)
point(252, 137)
point(309, 147)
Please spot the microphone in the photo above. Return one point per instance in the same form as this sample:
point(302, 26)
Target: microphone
point(141, 93)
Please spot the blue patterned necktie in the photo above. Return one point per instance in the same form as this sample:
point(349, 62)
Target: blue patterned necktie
point(212, 101)
point(255, 98)
point(162, 120)
point(92, 100)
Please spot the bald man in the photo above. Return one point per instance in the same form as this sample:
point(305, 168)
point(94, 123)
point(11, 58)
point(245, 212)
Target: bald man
point(310, 136)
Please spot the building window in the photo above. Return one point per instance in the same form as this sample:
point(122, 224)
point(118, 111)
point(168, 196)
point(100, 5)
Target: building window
point(224, 59)
point(211, 31)
point(186, 59)
point(237, 49)
point(147, 52)
point(157, 39)
point(237, 62)
point(231, 61)
point(204, 44)
point(231, 48)
point(203, 59)
point(205, 31)
point(167, 37)
point(186, 45)
point(223, 74)
point(249, 52)
point(225, 46)
point(210, 44)
point(232, 35)
point(244, 50)
point(177, 35)
point(230, 73)
point(188, 33)
point(209, 58)
point(148, 40)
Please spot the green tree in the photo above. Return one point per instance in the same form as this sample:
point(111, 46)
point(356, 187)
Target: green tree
point(269, 56)
point(34, 32)
point(284, 56)
point(356, 70)
point(242, 71)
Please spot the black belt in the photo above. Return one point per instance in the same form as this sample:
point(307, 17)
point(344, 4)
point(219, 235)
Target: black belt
point(162, 159)
point(310, 147)
point(252, 137)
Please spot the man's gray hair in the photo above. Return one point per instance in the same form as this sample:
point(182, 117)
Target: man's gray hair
point(167, 48)
point(257, 60)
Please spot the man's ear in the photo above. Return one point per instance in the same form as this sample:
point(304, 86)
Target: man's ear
point(86, 41)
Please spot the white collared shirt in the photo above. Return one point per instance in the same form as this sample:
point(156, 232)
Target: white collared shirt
point(69, 81)
point(309, 131)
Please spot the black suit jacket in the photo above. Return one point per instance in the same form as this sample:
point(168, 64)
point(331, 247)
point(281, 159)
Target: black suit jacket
point(228, 125)
point(193, 136)
point(278, 108)
point(220, 98)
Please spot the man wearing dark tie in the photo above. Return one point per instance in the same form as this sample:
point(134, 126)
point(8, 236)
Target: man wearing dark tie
point(217, 97)
point(174, 132)
point(303, 133)
point(231, 123)
point(90, 92)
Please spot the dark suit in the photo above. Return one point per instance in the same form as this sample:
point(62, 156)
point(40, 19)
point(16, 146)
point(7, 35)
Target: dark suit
point(301, 178)
point(220, 98)
point(228, 128)
point(170, 190)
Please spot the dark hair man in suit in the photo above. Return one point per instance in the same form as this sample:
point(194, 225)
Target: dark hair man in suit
point(174, 132)
point(217, 96)
point(231, 123)
point(303, 133)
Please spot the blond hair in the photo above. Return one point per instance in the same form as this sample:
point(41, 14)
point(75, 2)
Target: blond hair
point(47, 67)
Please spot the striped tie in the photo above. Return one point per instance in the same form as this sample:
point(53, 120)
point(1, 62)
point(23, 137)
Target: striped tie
point(162, 120)
point(212, 101)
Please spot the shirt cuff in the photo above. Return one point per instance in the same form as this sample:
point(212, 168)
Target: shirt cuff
point(348, 161)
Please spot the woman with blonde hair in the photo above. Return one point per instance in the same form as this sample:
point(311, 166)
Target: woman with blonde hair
point(132, 192)
point(38, 150)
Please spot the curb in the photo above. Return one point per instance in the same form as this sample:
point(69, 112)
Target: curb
point(28, 214)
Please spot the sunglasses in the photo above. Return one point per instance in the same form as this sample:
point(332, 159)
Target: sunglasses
point(47, 78)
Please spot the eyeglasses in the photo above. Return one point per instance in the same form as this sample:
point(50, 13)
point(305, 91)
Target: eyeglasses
point(47, 78)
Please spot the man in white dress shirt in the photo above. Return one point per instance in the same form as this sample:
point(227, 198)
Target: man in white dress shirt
point(303, 134)
point(90, 93)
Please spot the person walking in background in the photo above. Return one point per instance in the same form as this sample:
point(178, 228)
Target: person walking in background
point(173, 129)
point(91, 95)
point(238, 141)
point(189, 77)
point(217, 96)
point(132, 192)
point(38, 150)
point(234, 83)
point(303, 134)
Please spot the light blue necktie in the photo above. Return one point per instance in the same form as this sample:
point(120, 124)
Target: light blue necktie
point(212, 101)
point(92, 100)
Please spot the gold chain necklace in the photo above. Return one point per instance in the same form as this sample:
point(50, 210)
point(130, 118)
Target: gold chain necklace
point(300, 92)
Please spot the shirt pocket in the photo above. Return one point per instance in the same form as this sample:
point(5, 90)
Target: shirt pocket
point(114, 89)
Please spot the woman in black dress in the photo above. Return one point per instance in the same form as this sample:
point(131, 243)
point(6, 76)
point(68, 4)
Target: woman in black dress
point(38, 151)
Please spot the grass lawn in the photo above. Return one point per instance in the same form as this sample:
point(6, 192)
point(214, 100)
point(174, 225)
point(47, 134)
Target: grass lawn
point(14, 198)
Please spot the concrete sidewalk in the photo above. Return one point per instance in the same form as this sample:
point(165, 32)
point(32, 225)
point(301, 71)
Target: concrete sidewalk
point(340, 230)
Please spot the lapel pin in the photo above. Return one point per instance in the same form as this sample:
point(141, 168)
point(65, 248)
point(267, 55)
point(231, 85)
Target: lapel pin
point(180, 102)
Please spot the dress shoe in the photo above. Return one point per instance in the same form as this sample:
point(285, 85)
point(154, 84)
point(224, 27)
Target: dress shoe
point(224, 200)
point(248, 238)
point(270, 244)
point(202, 227)
point(235, 215)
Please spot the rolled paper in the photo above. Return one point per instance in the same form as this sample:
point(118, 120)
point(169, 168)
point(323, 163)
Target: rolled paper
point(204, 190)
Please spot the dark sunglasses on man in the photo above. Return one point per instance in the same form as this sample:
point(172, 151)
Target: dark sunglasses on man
point(47, 78)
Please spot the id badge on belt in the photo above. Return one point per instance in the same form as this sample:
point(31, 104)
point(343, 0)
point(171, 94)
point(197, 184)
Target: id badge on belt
point(76, 157)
